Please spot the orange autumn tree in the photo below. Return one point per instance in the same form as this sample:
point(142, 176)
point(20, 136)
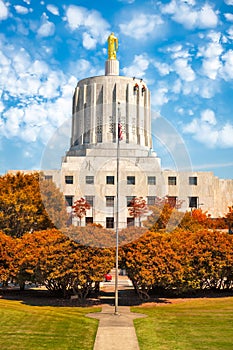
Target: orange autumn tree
point(21, 205)
point(179, 262)
point(164, 214)
point(80, 208)
point(6, 257)
point(138, 208)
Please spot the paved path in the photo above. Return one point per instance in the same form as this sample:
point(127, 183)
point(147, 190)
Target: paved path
point(116, 332)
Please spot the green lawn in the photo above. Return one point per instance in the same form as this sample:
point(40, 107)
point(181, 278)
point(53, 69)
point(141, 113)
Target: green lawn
point(25, 327)
point(199, 324)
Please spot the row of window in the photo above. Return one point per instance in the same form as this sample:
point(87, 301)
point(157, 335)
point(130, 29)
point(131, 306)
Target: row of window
point(151, 180)
point(151, 200)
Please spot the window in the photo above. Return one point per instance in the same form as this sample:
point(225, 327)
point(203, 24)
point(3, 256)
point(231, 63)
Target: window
point(172, 201)
point(151, 180)
point(193, 180)
point(172, 180)
point(69, 200)
point(48, 177)
point(151, 200)
point(129, 200)
point(193, 202)
point(69, 179)
point(110, 180)
point(110, 222)
point(130, 180)
point(89, 180)
point(130, 222)
point(109, 201)
point(90, 200)
point(89, 220)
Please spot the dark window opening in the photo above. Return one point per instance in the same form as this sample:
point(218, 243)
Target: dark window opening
point(151, 200)
point(172, 180)
point(110, 180)
point(69, 179)
point(151, 180)
point(193, 202)
point(130, 222)
point(90, 200)
point(89, 180)
point(109, 222)
point(69, 200)
point(89, 220)
point(193, 180)
point(109, 201)
point(129, 200)
point(130, 180)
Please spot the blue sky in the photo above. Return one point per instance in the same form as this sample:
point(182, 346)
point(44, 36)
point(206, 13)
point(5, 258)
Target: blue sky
point(182, 49)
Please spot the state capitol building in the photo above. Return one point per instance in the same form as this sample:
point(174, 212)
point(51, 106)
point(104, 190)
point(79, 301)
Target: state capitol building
point(111, 123)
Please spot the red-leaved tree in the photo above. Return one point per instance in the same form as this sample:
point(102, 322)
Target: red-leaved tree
point(80, 208)
point(138, 208)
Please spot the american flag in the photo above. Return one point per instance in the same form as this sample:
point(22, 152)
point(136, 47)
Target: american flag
point(120, 134)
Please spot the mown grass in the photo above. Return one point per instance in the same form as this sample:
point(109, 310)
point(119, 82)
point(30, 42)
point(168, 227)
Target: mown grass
point(24, 327)
point(199, 324)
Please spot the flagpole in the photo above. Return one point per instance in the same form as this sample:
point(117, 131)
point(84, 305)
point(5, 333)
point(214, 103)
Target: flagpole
point(117, 209)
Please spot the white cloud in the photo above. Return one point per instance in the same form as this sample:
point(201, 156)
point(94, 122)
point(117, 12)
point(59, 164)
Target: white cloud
point(185, 14)
point(184, 71)
point(211, 54)
point(163, 68)
point(138, 67)
point(21, 9)
point(208, 116)
point(88, 41)
point(159, 96)
point(206, 130)
point(229, 2)
point(47, 28)
point(141, 25)
point(229, 17)
point(227, 69)
point(127, 1)
point(3, 11)
point(230, 33)
point(53, 9)
point(91, 21)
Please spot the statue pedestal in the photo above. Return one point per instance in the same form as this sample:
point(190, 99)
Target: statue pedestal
point(112, 67)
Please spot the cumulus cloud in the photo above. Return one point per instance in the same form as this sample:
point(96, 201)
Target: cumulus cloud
point(91, 22)
point(47, 28)
point(21, 9)
point(207, 131)
point(53, 9)
point(141, 25)
point(183, 12)
point(227, 68)
point(211, 53)
point(138, 67)
point(230, 33)
point(184, 70)
point(35, 98)
point(229, 2)
point(229, 17)
point(159, 96)
point(3, 11)
point(163, 68)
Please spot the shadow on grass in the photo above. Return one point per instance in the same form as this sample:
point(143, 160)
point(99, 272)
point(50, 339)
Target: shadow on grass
point(126, 297)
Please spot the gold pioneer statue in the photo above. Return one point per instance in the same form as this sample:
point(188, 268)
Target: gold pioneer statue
point(112, 46)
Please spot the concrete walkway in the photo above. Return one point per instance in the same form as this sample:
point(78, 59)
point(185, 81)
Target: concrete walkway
point(116, 332)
